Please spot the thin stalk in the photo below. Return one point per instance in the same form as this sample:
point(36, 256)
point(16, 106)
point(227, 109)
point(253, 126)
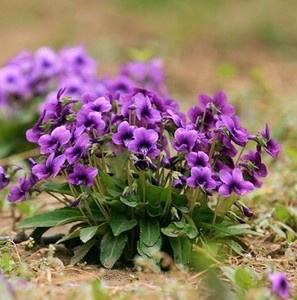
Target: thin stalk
point(102, 209)
point(218, 206)
point(196, 195)
point(142, 176)
point(202, 122)
point(128, 175)
point(169, 197)
point(239, 156)
point(212, 148)
point(103, 159)
point(57, 198)
point(86, 206)
point(83, 213)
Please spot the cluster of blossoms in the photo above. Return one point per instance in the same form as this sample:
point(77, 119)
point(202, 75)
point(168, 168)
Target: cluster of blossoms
point(39, 75)
point(28, 75)
point(202, 155)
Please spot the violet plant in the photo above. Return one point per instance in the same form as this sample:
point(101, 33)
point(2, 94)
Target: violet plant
point(139, 177)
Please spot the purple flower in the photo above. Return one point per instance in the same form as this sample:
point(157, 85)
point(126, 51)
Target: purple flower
point(47, 63)
point(100, 105)
point(146, 74)
point(234, 182)
point(279, 285)
point(144, 109)
point(90, 119)
point(75, 86)
point(144, 142)
point(78, 150)
point(4, 180)
point(272, 147)
point(238, 134)
point(217, 105)
point(177, 118)
point(51, 167)
point(225, 146)
point(200, 117)
point(197, 159)
point(13, 82)
point(76, 60)
point(124, 134)
point(83, 175)
point(253, 164)
point(48, 143)
point(21, 191)
point(201, 177)
point(184, 139)
point(33, 134)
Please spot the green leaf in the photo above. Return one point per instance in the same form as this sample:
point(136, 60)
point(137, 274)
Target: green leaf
point(182, 249)
point(235, 246)
point(87, 233)
point(111, 248)
point(223, 230)
point(129, 200)
point(119, 224)
point(156, 195)
point(283, 214)
point(243, 278)
point(278, 231)
point(190, 231)
point(53, 218)
point(171, 230)
point(150, 251)
point(82, 252)
point(106, 179)
point(178, 200)
point(55, 187)
point(181, 228)
point(154, 211)
point(72, 235)
point(149, 231)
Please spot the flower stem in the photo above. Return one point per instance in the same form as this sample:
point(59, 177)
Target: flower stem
point(57, 198)
point(142, 176)
point(240, 154)
point(169, 197)
point(218, 206)
point(212, 148)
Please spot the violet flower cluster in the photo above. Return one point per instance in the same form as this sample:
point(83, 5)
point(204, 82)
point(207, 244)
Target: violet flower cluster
point(28, 77)
point(199, 156)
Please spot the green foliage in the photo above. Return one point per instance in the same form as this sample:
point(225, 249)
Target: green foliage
point(82, 251)
point(119, 224)
point(111, 248)
point(181, 249)
point(52, 218)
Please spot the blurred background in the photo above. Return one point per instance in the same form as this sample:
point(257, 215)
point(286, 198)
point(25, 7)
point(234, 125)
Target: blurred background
point(247, 48)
